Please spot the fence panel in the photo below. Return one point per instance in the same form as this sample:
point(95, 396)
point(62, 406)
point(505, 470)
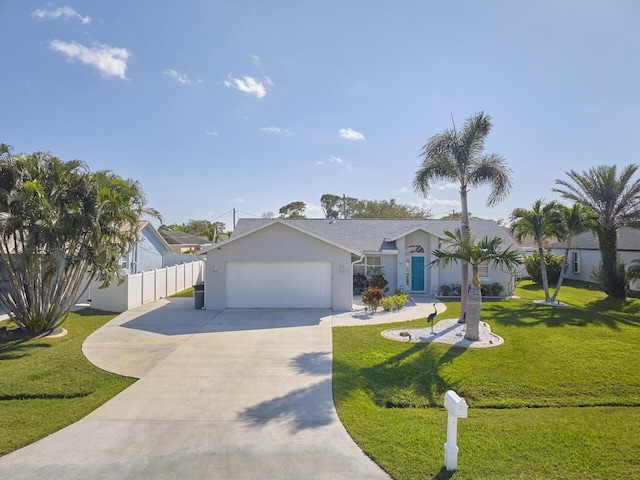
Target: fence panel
point(134, 290)
point(161, 283)
point(148, 287)
point(180, 283)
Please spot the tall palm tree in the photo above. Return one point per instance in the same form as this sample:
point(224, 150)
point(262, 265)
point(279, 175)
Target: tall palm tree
point(570, 222)
point(461, 248)
point(539, 224)
point(616, 203)
point(459, 157)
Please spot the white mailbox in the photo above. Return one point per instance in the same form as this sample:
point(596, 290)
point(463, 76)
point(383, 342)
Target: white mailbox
point(455, 405)
point(457, 408)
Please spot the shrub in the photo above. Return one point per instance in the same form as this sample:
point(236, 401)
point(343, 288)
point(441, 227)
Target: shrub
point(372, 298)
point(359, 283)
point(378, 281)
point(400, 300)
point(388, 303)
point(444, 290)
point(494, 289)
point(456, 289)
point(554, 265)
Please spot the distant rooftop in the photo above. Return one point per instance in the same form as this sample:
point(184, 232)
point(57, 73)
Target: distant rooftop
point(181, 238)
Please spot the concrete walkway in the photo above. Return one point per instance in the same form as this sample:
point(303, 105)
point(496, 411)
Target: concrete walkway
point(237, 394)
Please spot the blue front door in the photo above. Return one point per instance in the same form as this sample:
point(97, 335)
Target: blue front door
point(417, 274)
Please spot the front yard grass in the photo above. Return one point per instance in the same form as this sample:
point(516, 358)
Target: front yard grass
point(47, 384)
point(560, 399)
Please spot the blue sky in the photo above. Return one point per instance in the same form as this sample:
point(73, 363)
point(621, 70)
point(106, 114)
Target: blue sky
point(215, 105)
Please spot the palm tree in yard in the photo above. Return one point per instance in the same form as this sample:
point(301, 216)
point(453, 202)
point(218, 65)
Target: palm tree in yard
point(539, 223)
point(570, 222)
point(460, 248)
point(615, 200)
point(459, 157)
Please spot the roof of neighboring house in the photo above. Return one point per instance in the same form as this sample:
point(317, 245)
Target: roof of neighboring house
point(628, 239)
point(181, 238)
point(148, 227)
point(527, 241)
point(372, 235)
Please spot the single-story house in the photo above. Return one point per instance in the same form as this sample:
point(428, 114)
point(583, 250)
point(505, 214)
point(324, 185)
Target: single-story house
point(181, 242)
point(148, 252)
point(310, 263)
point(584, 255)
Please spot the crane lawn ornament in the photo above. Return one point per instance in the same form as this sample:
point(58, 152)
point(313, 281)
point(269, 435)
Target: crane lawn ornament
point(431, 317)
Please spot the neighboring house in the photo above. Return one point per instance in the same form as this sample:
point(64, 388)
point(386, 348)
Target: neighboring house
point(148, 252)
point(584, 255)
point(182, 242)
point(310, 263)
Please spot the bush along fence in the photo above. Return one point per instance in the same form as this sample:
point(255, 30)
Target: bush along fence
point(494, 289)
point(145, 287)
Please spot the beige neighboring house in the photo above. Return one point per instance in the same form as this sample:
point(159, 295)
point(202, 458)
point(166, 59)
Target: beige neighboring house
point(310, 263)
point(181, 242)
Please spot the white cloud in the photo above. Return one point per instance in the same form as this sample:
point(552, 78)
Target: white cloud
point(180, 77)
point(63, 12)
point(268, 80)
point(319, 162)
point(238, 200)
point(350, 134)
point(447, 186)
point(211, 132)
point(353, 169)
point(110, 61)
point(256, 59)
point(402, 190)
point(282, 131)
point(248, 85)
point(333, 159)
point(312, 209)
point(442, 202)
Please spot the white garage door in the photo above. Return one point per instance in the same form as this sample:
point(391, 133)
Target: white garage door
point(278, 285)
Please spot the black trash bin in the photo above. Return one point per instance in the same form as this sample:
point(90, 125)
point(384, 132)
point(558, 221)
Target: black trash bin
point(198, 296)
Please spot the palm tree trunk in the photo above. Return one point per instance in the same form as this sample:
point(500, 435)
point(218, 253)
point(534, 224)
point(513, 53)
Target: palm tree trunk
point(612, 284)
point(474, 309)
point(543, 273)
point(464, 269)
point(565, 265)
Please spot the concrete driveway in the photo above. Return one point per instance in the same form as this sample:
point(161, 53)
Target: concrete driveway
point(237, 394)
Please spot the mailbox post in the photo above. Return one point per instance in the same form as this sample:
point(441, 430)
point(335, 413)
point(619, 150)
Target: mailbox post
point(457, 408)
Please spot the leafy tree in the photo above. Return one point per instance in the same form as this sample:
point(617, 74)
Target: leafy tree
point(293, 210)
point(388, 209)
point(569, 223)
point(615, 200)
point(268, 215)
point(201, 228)
point(458, 157)
point(335, 206)
point(539, 223)
point(59, 224)
point(461, 248)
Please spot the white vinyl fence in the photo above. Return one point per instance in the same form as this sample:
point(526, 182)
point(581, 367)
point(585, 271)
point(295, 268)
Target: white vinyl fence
point(146, 287)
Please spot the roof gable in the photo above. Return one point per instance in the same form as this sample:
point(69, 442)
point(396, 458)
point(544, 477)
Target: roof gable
point(148, 230)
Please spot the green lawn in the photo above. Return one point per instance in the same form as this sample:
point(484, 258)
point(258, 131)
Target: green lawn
point(47, 384)
point(183, 294)
point(560, 399)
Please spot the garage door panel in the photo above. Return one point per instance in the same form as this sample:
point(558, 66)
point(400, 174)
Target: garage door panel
point(278, 285)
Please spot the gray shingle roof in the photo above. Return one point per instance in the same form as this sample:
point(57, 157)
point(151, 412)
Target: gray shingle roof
point(376, 235)
point(628, 240)
point(181, 238)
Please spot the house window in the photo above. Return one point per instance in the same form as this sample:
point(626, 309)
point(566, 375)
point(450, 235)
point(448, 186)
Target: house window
point(412, 249)
point(369, 266)
point(575, 262)
point(374, 265)
point(483, 270)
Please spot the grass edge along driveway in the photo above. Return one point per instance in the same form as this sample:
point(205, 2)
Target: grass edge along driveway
point(47, 384)
point(560, 399)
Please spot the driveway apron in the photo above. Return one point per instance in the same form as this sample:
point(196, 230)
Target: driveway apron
point(237, 394)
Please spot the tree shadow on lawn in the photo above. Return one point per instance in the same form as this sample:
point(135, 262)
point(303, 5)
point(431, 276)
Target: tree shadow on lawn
point(415, 369)
point(531, 315)
point(15, 343)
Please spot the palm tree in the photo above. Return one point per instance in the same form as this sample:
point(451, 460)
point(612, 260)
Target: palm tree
point(569, 223)
point(616, 203)
point(458, 157)
point(465, 249)
point(539, 224)
point(60, 224)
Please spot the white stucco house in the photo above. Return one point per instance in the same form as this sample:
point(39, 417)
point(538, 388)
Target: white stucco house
point(584, 255)
point(310, 263)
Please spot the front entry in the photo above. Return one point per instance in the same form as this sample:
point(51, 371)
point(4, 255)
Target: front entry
point(417, 274)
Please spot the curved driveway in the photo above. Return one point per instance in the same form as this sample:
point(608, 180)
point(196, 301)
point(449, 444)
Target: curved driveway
point(237, 394)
